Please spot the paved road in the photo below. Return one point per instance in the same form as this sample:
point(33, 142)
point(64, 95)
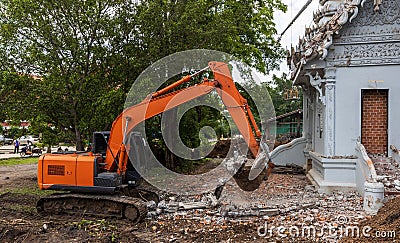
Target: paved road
point(6, 151)
point(8, 156)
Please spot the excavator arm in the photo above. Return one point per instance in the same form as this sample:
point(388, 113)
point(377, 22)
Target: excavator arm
point(163, 100)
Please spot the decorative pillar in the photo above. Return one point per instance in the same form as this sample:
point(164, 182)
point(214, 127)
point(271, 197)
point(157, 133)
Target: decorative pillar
point(330, 112)
point(306, 112)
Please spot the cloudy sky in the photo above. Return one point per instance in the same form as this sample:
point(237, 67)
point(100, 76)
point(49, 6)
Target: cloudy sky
point(292, 35)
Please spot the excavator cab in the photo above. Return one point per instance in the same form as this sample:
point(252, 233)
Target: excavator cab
point(100, 142)
point(113, 179)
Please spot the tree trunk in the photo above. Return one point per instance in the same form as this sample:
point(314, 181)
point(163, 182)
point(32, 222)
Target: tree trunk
point(79, 142)
point(78, 137)
point(171, 160)
point(199, 114)
point(49, 149)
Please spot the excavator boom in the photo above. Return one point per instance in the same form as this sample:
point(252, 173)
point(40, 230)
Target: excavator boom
point(162, 101)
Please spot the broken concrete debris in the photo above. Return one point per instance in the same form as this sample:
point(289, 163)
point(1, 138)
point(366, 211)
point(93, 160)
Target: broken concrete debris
point(388, 172)
point(282, 201)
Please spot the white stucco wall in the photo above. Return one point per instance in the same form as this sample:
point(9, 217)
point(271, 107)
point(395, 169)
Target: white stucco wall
point(349, 83)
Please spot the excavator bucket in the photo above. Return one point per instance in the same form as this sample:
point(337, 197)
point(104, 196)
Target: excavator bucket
point(258, 165)
point(242, 179)
point(261, 162)
point(250, 176)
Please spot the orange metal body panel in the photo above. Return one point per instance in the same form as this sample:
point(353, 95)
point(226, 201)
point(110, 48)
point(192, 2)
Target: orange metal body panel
point(237, 105)
point(85, 170)
point(40, 172)
point(66, 169)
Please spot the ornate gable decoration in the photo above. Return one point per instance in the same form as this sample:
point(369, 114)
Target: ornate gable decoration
point(328, 20)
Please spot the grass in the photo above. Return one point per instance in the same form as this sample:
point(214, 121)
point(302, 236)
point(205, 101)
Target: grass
point(100, 229)
point(18, 161)
point(28, 191)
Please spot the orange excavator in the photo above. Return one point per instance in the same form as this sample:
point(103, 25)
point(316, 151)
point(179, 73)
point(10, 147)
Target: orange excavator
point(104, 182)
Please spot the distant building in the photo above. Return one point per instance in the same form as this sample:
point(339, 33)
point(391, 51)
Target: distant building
point(23, 125)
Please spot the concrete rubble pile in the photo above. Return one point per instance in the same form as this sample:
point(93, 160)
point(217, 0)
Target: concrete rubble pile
point(388, 172)
point(283, 200)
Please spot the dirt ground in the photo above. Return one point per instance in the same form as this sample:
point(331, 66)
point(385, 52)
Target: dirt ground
point(19, 221)
point(12, 173)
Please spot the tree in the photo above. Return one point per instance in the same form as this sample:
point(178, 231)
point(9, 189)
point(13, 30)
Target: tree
point(78, 47)
point(244, 29)
point(277, 90)
point(15, 96)
point(241, 28)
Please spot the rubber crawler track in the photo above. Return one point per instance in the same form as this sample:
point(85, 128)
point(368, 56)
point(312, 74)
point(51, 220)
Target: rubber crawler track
point(115, 206)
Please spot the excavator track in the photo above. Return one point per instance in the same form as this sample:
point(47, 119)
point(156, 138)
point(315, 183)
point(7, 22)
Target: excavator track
point(114, 206)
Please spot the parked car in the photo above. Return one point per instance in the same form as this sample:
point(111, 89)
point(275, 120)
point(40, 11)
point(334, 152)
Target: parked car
point(8, 141)
point(5, 141)
point(32, 138)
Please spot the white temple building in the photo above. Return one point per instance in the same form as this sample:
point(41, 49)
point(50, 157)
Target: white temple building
point(348, 66)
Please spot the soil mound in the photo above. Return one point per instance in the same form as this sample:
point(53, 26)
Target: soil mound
point(382, 227)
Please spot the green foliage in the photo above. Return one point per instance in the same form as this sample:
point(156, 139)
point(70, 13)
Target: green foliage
point(191, 166)
point(195, 119)
point(15, 97)
point(242, 28)
point(50, 135)
point(18, 161)
point(277, 90)
point(79, 47)
point(40, 145)
point(14, 132)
